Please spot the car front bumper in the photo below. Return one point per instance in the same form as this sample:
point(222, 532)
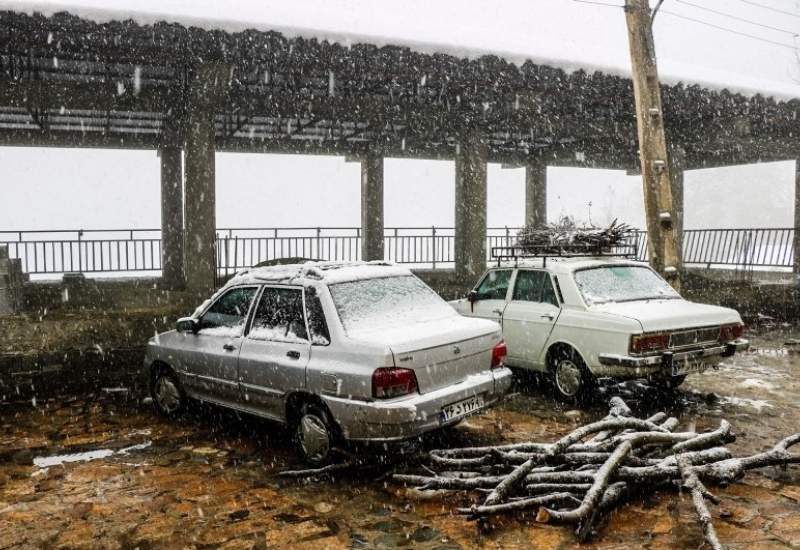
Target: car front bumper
point(667, 363)
point(411, 416)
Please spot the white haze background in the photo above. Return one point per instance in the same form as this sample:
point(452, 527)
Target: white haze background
point(89, 188)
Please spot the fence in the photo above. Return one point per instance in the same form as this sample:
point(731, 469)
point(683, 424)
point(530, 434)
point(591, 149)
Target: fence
point(138, 251)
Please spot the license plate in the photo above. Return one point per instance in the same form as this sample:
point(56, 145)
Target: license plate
point(688, 367)
point(462, 408)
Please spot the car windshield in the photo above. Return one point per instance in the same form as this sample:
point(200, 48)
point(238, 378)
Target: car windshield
point(389, 302)
point(622, 283)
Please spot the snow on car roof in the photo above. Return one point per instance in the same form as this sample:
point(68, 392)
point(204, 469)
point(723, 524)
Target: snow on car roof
point(329, 272)
point(301, 273)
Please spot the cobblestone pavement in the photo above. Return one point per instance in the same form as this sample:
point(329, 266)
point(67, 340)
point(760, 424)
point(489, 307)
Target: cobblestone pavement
point(135, 480)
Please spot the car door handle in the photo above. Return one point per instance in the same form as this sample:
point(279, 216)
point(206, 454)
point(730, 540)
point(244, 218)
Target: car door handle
point(293, 354)
point(229, 347)
point(548, 316)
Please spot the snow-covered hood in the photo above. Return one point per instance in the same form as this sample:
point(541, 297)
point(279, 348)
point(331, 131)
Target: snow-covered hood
point(655, 315)
point(427, 334)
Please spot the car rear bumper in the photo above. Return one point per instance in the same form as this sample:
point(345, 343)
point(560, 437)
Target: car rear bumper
point(411, 416)
point(666, 364)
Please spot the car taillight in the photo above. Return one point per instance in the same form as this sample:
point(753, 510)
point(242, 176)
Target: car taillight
point(729, 333)
point(645, 343)
point(499, 353)
point(393, 382)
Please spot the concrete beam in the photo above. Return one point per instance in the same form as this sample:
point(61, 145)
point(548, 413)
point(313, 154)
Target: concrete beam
point(172, 262)
point(372, 207)
point(75, 138)
point(536, 194)
point(205, 90)
point(470, 215)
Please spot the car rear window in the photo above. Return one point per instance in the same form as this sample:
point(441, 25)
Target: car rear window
point(622, 283)
point(387, 302)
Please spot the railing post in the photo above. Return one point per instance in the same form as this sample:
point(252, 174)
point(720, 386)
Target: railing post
point(227, 254)
point(433, 236)
point(80, 252)
point(319, 242)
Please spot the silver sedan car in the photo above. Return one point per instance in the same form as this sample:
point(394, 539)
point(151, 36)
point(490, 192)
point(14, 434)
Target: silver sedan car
point(363, 352)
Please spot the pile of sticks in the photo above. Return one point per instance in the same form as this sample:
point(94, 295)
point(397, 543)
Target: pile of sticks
point(566, 236)
point(594, 470)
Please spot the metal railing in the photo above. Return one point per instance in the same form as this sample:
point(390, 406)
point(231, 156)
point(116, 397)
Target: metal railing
point(138, 251)
point(47, 252)
point(423, 247)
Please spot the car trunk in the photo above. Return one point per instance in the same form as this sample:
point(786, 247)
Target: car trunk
point(670, 315)
point(443, 352)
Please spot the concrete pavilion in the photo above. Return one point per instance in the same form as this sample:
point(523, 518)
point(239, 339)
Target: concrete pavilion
point(186, 92)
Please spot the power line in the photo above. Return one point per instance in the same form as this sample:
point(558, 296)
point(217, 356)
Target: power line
point(736, 18)
point(770, 8)
point(732, 31)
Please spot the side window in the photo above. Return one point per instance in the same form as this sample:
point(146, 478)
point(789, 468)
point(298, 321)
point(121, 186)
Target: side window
point(495, 285)
point(528, 286)
point(317, 326)
point(228, 314)
point(548, 292)
point(535, 286)
point(279, 316)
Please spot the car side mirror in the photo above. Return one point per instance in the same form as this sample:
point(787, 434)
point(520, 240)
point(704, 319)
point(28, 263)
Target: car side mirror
point(472, 297)
point(187, 324)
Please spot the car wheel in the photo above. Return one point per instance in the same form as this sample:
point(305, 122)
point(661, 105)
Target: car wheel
point(571, 379)
point(315, 434)
point(167, 393)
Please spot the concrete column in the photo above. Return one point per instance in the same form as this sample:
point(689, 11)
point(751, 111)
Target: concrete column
point(206, 86)
point(797, 217)
point(677, 161)
point(372, 207)
point(536, 194)
point(470, 237)
point(171, 216)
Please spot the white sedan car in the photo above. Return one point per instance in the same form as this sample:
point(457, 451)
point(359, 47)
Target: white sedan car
point(338, 352)
point(580, 319)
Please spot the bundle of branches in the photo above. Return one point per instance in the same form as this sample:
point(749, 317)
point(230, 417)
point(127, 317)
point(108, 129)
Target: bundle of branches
point(595, 469)
point(565, 236)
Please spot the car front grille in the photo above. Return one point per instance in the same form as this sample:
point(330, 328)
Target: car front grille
point(694, 337)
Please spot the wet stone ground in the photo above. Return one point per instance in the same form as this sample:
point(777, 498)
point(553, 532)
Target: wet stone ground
point(107, 472)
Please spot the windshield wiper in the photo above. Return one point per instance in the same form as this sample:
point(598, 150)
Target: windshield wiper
point(645, 298)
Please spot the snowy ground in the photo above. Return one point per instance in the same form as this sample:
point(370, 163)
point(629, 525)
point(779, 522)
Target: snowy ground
point(107, 472)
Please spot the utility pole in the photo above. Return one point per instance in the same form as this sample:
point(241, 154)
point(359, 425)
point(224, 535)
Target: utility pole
point(659, 210)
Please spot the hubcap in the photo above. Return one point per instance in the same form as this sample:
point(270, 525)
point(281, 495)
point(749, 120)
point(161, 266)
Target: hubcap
point(167, 394)
point(568, 378)
point(314, 437)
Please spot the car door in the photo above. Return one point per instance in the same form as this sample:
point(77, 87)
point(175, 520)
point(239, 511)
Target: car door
point(275, 351)
point(529, 317)
point(209, 361)
point(490, 295)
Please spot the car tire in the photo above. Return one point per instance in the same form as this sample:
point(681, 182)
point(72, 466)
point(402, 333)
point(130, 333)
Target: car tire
point(167, 393)
point(571, 379)
point(315, 434)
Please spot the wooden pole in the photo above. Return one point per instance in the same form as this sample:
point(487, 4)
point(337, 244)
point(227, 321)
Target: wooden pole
point(659, 210)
